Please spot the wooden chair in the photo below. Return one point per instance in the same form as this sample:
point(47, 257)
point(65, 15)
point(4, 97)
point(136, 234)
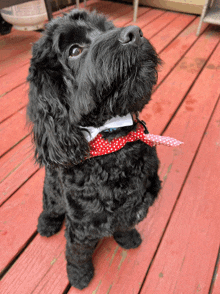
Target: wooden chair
point(136, 2)
point(210, 13)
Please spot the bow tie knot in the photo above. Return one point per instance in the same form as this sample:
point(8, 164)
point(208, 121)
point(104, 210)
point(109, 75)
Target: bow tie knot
point(116, 122)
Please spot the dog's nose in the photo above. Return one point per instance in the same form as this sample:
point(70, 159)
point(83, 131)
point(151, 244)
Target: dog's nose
point(131, 35)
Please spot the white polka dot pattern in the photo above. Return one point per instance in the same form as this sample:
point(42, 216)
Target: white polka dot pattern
point(100, 146)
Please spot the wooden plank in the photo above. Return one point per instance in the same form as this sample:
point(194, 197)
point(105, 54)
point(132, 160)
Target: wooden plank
point(16, 167)
point(69, 8)
point(176, 50)
point(13, 101)
point(116, 10)
point(16, 43)
point(56, 277)
point(14, 157)
point(166, 36)
point(126, 18)
point(147, 18)
point(186, 257)
point(108, 8)
point(9, 65)
point(36, 261)
point(10, 81)
point(13, 130)
point(13, 31)
point(159, 24)
point(16, 34)
point(169, 95)
point(18, 218)
point(19, 175)
point(53, 282)
point(128, 268)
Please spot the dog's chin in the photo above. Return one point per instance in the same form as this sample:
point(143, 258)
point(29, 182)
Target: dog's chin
point(128, 96)
point(117, 102)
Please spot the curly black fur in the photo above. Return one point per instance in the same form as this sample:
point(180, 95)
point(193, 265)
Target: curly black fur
point(82, 74)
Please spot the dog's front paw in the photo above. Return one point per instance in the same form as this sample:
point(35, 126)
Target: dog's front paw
point(129, 239)
point(80, 276)
point(48, 225)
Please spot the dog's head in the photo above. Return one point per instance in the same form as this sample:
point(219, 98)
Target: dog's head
point(83, 72)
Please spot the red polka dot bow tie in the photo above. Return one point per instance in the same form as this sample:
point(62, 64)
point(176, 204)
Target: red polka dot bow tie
point(100, 146)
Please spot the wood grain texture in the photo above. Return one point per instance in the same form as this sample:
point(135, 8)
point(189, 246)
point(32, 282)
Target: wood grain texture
point(178, 48)
point(13, 79)
point(31, 267)
point(16, 43)
point(186, 257)
point(17, 166)
point(13, 101)
point(180, 234)
point(13, 130)
point(125, 20)
point(169, 95)
point(19, 216)
point(145, 19)
point(159, 24)
point(172, 30)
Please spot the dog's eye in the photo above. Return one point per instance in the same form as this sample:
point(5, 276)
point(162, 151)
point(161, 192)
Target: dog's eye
point(75, 51)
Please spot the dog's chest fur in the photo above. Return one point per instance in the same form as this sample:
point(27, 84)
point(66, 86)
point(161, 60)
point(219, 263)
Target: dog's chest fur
point(111, 192)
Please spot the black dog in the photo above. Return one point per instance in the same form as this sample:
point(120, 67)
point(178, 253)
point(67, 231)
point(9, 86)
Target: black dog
point(85, 72)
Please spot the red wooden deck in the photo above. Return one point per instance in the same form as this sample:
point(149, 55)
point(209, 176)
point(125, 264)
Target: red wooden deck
point(181, 235)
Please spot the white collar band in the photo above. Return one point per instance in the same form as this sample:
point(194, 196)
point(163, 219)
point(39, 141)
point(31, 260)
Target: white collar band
point(116, 122)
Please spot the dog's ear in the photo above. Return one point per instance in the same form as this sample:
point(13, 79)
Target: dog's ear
point(57, 136)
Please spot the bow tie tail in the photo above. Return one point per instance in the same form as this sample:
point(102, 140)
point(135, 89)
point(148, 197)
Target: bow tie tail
point(162, 140)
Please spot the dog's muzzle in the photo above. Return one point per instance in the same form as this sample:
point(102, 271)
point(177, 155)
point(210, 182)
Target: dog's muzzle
point(131, 35)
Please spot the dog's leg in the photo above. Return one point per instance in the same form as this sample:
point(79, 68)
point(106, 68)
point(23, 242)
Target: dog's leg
point(51, 219)
point(128, 239)
point(49, 223)
point(80, 268)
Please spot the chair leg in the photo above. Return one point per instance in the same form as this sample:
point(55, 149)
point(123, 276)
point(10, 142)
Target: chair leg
point(135, 10)
point(49, 9)
point(204, 11)
point(199, 27)
point(77, 3)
